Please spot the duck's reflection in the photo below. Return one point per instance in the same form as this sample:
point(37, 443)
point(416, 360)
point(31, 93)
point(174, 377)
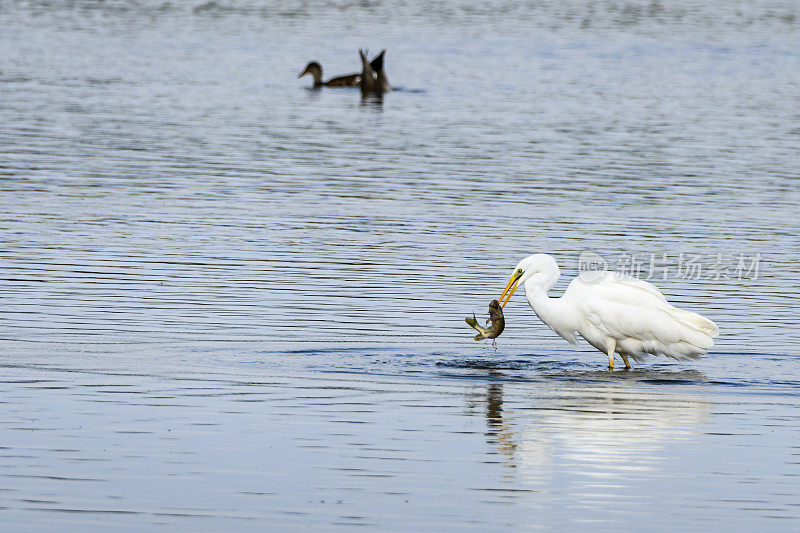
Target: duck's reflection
point(372, 100)
point(590, 427)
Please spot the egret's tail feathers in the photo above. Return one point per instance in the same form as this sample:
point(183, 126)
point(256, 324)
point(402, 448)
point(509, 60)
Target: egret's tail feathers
point(696, 329)
point(696, 321)
point(676, 333)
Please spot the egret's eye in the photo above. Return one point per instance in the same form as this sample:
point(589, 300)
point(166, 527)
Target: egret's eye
point(519, 271)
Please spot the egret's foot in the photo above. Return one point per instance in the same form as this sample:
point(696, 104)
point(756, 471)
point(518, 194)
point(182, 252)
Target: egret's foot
point(627, 364)
point(611, 346)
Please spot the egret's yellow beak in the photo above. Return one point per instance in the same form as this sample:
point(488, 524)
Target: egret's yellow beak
point(513, 283)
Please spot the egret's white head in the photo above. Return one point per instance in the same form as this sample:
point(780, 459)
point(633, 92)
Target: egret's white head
point(540, 270)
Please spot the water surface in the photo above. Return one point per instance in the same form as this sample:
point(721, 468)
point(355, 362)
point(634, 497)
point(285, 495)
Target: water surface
point(229, 301)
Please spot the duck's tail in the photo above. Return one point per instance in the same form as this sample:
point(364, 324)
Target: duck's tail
point(377, 61)
point(368, 82)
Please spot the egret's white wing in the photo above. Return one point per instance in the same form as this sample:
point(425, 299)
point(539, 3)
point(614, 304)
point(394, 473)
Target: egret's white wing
point(613, 280)
point(635, 313)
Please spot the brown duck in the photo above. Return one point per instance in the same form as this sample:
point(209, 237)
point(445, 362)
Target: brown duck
point(348, 80)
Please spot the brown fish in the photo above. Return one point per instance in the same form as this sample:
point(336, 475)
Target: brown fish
point(496, 318)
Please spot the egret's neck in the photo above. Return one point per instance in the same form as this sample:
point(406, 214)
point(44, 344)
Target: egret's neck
point(549, 310)
point(536, 292)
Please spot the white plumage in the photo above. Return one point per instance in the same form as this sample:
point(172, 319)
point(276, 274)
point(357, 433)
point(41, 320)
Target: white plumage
point(614, 313)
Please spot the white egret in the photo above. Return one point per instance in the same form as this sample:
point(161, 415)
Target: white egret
point(614, 313)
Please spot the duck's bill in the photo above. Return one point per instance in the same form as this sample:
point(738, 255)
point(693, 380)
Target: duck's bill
point(302, 73)
point(512, 285)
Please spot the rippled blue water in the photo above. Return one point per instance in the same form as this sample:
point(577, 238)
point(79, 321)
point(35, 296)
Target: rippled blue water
point(229, 301)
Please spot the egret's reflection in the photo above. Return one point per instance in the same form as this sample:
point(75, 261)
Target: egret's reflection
point(597, 429)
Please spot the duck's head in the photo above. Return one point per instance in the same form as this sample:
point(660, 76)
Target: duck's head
point(313, 68)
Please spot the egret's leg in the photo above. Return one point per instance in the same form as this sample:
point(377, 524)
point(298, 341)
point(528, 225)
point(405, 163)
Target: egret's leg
point(625, 358)
point(611, 345)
